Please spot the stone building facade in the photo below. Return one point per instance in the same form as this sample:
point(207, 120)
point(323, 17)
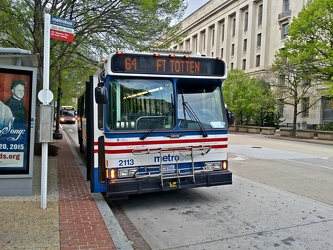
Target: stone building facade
point(247, 34)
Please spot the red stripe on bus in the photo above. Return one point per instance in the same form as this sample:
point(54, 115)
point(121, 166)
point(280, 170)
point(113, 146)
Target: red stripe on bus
point(129, 151)
point(143, 143)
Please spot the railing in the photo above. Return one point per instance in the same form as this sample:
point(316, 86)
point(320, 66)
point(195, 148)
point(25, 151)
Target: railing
point(284, 15)
point(176, 172)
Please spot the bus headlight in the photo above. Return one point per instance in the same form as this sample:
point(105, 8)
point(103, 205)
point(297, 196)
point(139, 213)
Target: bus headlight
point(211, 166)
point(127, 172)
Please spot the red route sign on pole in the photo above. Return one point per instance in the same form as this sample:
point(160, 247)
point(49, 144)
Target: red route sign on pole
point(62, 29)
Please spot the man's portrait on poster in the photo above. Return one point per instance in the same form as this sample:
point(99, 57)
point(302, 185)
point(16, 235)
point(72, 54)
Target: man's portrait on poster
point(15, 102)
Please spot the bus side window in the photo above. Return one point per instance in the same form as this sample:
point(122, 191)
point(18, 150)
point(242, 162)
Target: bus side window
point(100, 116)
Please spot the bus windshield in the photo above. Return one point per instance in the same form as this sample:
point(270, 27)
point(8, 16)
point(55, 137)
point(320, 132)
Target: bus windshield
point(139, 103)
point(200, 105)
point(145, 104)
point(67, 112)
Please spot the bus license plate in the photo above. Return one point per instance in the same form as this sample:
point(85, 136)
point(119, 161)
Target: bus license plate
point(168, 168)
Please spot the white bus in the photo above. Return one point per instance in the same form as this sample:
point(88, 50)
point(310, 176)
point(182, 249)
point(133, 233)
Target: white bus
point(152, 122)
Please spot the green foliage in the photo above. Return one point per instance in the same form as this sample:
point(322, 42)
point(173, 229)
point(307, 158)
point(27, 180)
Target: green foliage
point(249, 99)
point(101, 27)
point(311, 39)
point(307, 59)
point(326, 127)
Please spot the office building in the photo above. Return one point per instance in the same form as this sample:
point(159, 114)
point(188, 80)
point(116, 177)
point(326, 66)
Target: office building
point(247, 34)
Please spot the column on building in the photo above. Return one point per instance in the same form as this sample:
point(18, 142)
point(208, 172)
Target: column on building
point(243, 37)
point(236, 39)
point(227, 40)
point(250, 36)
point(265, 34)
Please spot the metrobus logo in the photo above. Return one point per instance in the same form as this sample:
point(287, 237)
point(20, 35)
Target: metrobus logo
point(171, 158)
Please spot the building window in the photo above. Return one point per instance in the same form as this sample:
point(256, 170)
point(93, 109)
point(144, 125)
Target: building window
point(257, 60)
point(246, 21)
point(203, 40)
point(221, 52)
point(188, 44)
point(195, 42)
point(213, 36)
point(245, 45)
point(306, 82)
point(286, 5)
point(260, 14)
point(284, 30)
point(259, 40)
point(212, 54)
point(305, 106)
point(232, 66)
point(244, 64)
point(233, 26)
point(328, 103)
point(222, 32)
point(282, 80)
point(232, 49)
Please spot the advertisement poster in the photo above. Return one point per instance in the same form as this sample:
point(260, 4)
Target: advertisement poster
point(16, 88)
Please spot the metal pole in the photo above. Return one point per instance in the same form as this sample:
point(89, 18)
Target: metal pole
point(57, 134)
point(46, 66)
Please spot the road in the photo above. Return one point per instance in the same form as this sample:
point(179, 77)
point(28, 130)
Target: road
point(281, 198)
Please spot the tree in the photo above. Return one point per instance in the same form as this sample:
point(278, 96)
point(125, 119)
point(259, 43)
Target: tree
point(293, 86)
point(101, 27)
point(306, 60)
point(310, 40)
point(266, 113)
point(247, 98)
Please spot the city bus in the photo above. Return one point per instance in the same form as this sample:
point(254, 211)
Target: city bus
point(155, 121)
point(67, 114)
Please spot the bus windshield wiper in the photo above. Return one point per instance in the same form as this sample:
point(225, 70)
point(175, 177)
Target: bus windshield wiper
point(188, 109)
point(155, 124)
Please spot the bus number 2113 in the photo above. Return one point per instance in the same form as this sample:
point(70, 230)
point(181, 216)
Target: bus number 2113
point(127, 162)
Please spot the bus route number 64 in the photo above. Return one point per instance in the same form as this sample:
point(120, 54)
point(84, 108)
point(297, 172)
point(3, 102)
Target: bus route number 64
point(130, 64)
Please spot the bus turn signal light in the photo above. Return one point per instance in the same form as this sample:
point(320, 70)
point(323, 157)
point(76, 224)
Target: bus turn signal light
point(224, 165)
point(113, 173)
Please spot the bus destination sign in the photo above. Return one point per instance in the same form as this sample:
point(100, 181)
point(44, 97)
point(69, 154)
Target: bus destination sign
point(165, 65)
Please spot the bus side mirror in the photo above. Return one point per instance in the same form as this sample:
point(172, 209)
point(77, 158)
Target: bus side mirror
point(230, 117)
point(101, 95)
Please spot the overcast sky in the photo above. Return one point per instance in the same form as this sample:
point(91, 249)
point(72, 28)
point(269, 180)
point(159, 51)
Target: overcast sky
point(193, 5)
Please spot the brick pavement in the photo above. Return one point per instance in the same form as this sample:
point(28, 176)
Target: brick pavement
point(81, 224)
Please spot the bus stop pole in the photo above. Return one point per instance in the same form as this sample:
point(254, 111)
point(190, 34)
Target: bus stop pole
point(47, 18)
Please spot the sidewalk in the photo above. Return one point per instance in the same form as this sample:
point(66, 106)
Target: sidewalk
point(74, 218)
point(314, 140)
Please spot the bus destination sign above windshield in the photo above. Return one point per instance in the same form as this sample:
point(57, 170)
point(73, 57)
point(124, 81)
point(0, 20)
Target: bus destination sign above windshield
point(127, 63)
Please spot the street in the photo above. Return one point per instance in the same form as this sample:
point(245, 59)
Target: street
point(281, 198)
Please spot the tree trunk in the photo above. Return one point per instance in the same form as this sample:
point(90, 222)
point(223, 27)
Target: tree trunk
point(294, 120)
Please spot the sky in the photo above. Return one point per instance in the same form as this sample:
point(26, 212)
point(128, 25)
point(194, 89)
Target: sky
point(193, 5)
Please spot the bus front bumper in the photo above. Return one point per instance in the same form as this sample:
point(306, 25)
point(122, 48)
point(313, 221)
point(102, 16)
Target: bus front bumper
point(121, 187)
